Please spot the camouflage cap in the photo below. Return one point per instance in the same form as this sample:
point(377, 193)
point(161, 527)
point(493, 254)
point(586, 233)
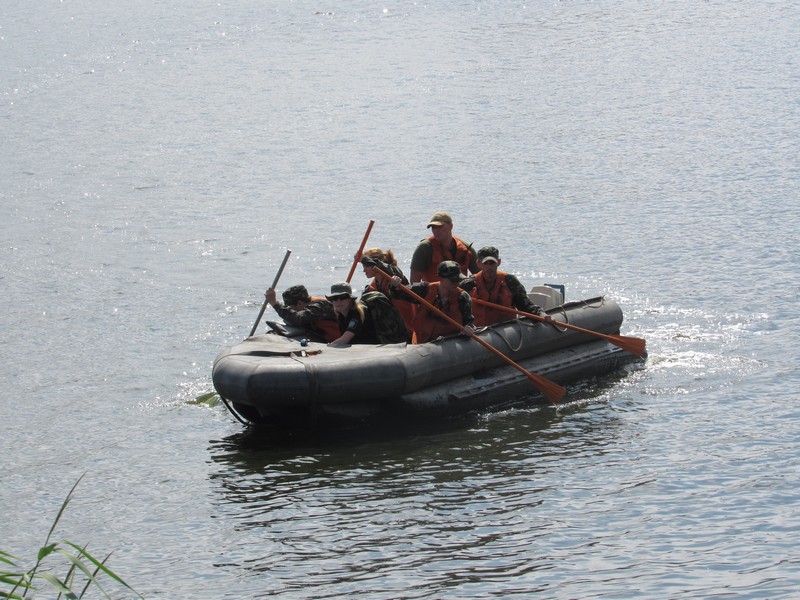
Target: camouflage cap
point(488, 254)
point(449, 269)
point(296, 293)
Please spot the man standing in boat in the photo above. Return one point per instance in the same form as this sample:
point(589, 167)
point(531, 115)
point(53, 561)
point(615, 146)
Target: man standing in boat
point(446, 296)
point(498, 287)
point(440, 246)
point(301, 310)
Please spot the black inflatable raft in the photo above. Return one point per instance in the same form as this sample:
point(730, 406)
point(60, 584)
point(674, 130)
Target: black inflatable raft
point(279, 378)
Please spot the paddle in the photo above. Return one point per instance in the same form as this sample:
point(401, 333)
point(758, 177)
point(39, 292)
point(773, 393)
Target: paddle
point(633, 345)
point(551, 390)
point(274, 284)
point(360, 250)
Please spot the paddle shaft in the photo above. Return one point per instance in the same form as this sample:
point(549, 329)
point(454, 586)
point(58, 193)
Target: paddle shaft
point(631, 344)
point(551, 390)
point(360, 250)
point(274, 284)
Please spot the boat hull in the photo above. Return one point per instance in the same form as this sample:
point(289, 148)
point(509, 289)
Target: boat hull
point(274, 379)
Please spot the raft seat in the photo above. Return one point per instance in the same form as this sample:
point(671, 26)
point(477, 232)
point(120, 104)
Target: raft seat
point(546, 296)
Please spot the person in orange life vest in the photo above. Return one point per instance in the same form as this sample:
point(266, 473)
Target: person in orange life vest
point(355, 325)
point(386, 262)
point(440, 246)
point(444, 295)
point(498, 287)
point(301, 310)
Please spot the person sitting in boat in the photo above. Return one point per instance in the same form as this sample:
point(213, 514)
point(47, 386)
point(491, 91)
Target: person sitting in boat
point(498, 287)
point(301, 310)
point(355, 324)
point(374, 259)
point(440, 246)
point(446, 296)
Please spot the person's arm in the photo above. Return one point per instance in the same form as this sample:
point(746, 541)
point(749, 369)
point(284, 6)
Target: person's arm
point(465, 305)
point(343, 340)
point(320, 309)
point(421, 260)
point(395, 270)
point(519, 297)
point(289, 315)
point(313, 311)
point(354, 326)
point(420, 289)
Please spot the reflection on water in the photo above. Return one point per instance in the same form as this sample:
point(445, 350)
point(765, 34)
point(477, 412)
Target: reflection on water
point(484, 502)
point(449, 502)
point(494, 445)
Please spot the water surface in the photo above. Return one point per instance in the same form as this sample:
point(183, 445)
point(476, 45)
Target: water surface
point(159, 160)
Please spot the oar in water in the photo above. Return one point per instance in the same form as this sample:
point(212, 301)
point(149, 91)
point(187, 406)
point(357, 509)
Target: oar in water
point(360, 250)
point(273, 286)
point(551, 390)
point(633, 345)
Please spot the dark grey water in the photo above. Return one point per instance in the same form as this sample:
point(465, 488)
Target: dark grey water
point(157, 162)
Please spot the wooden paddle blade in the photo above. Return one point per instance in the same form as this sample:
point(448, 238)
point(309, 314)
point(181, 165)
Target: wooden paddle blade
point(636, 346)
point(551, 390)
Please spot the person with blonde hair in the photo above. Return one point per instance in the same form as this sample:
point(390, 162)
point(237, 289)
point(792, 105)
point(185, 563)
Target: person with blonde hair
point(354, 326)
point(376, 258)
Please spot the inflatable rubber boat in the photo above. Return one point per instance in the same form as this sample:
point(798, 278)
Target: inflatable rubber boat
point(283, 378)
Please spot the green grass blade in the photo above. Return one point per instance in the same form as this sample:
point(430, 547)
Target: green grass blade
point(45, 551)
point(63, 508)
point(8, 558)
point(77, 562)
point(48, 548)
point(56, 583)
point(102, 567)
point(9, 595)
point(10, 579)
point(96, 571)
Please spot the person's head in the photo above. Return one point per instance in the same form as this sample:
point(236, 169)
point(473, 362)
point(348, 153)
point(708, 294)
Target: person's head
point(342, 297)
point(296, 297)
point(489, 260)
point(370, 259)
point(385, 256)
point(441, 226)
point(449, 272)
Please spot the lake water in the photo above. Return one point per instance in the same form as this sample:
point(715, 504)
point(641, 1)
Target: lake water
point(157, 161)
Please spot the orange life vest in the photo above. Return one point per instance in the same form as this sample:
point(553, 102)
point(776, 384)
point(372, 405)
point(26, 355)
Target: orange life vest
point(499, 294)
point(429, 325)
point(328, 329)
point(463, 256)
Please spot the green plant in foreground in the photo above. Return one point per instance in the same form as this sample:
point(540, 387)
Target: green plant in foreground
point(16, 583)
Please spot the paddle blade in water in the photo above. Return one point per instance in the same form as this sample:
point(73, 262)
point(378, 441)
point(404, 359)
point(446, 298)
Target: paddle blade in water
point(551, 390)
point(636, 346)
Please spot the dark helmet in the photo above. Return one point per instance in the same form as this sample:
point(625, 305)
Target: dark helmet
point(449, 269)
point(488, 253)
point(296, 293)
